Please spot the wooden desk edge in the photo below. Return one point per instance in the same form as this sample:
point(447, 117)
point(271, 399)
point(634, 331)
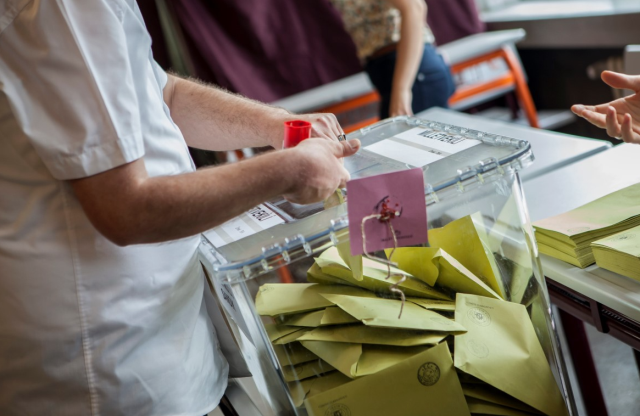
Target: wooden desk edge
point(603, 318)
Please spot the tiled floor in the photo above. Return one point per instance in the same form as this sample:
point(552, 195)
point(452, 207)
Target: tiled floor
point(618, 373)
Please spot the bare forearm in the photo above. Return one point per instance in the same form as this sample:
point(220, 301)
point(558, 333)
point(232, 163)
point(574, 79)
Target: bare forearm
point(213, 119)
point(171, 207)
point(411, 44)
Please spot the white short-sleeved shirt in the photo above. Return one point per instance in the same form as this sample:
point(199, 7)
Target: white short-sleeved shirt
point(87, 327)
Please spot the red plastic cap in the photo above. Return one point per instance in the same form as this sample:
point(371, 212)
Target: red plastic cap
point(296, 131)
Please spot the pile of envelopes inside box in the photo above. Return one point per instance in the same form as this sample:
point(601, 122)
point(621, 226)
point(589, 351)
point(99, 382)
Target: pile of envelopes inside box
point(457, 349)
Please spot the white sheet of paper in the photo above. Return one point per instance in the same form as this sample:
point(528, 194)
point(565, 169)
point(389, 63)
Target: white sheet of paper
point(403, 153)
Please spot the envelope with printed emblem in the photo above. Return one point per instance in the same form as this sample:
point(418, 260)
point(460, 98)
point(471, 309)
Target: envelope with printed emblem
point(426, 383)
point(501, 348)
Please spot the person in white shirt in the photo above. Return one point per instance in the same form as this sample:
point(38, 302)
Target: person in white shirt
point(101, 294)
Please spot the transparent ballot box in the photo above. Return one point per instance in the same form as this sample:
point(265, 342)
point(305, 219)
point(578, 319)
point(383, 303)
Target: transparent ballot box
point(319, 329)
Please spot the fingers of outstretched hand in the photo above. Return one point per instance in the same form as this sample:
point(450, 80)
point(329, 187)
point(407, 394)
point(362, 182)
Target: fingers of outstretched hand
point(612, 125)
point(619, 126)
point(627, 132)
point(589, 114)
point(621, 81)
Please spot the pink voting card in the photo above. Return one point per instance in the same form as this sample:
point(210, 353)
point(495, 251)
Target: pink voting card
point(401, 192)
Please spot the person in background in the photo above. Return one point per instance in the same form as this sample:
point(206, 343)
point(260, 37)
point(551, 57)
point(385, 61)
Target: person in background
point(102, 297)
point(395, 46)
point(621, 117)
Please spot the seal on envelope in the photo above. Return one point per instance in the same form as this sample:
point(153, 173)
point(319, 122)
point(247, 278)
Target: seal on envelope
point(479, 316)
point(337, 409)
point(428, 374)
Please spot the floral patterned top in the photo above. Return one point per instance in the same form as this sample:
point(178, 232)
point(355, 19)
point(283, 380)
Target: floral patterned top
point(372, 24)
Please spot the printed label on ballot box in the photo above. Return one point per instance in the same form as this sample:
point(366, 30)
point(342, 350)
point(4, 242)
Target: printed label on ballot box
point(249, 223)
point(401, 193)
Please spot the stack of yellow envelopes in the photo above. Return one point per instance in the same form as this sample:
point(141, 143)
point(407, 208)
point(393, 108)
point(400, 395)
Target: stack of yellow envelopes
point(568, 236)
point(328, 336)
point(619, 253)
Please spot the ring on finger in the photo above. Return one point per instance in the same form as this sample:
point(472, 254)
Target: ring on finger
point(342, 137)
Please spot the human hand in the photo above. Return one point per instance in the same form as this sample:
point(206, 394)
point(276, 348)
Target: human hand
point(323, 125)
point(319, 170)
point(401, 103)
point(621, 118)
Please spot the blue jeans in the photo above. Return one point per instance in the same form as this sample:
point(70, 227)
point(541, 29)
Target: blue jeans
point(432, 87)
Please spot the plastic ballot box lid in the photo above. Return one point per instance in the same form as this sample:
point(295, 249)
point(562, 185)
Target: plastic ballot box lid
point(452, 158)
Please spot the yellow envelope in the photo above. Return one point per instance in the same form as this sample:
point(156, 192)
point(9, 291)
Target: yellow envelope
point(424, 381)
point(315, 275)
point(277, 332)
point(457, 278)
point(363, 334)
point(293, 353)
point(305, 370)
point(334, 200)
point(417, 262)
point(481, 407)
point(328, 316)
point(374, 277)
point(492, 395)
point(310, 387)
point(466, 240)
point(357, 360)
point(286, 298)
point(354, 263)
point(501, 348)
point(434, 305)
point(384, 313)
point(467, 379)
point(438, 268)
